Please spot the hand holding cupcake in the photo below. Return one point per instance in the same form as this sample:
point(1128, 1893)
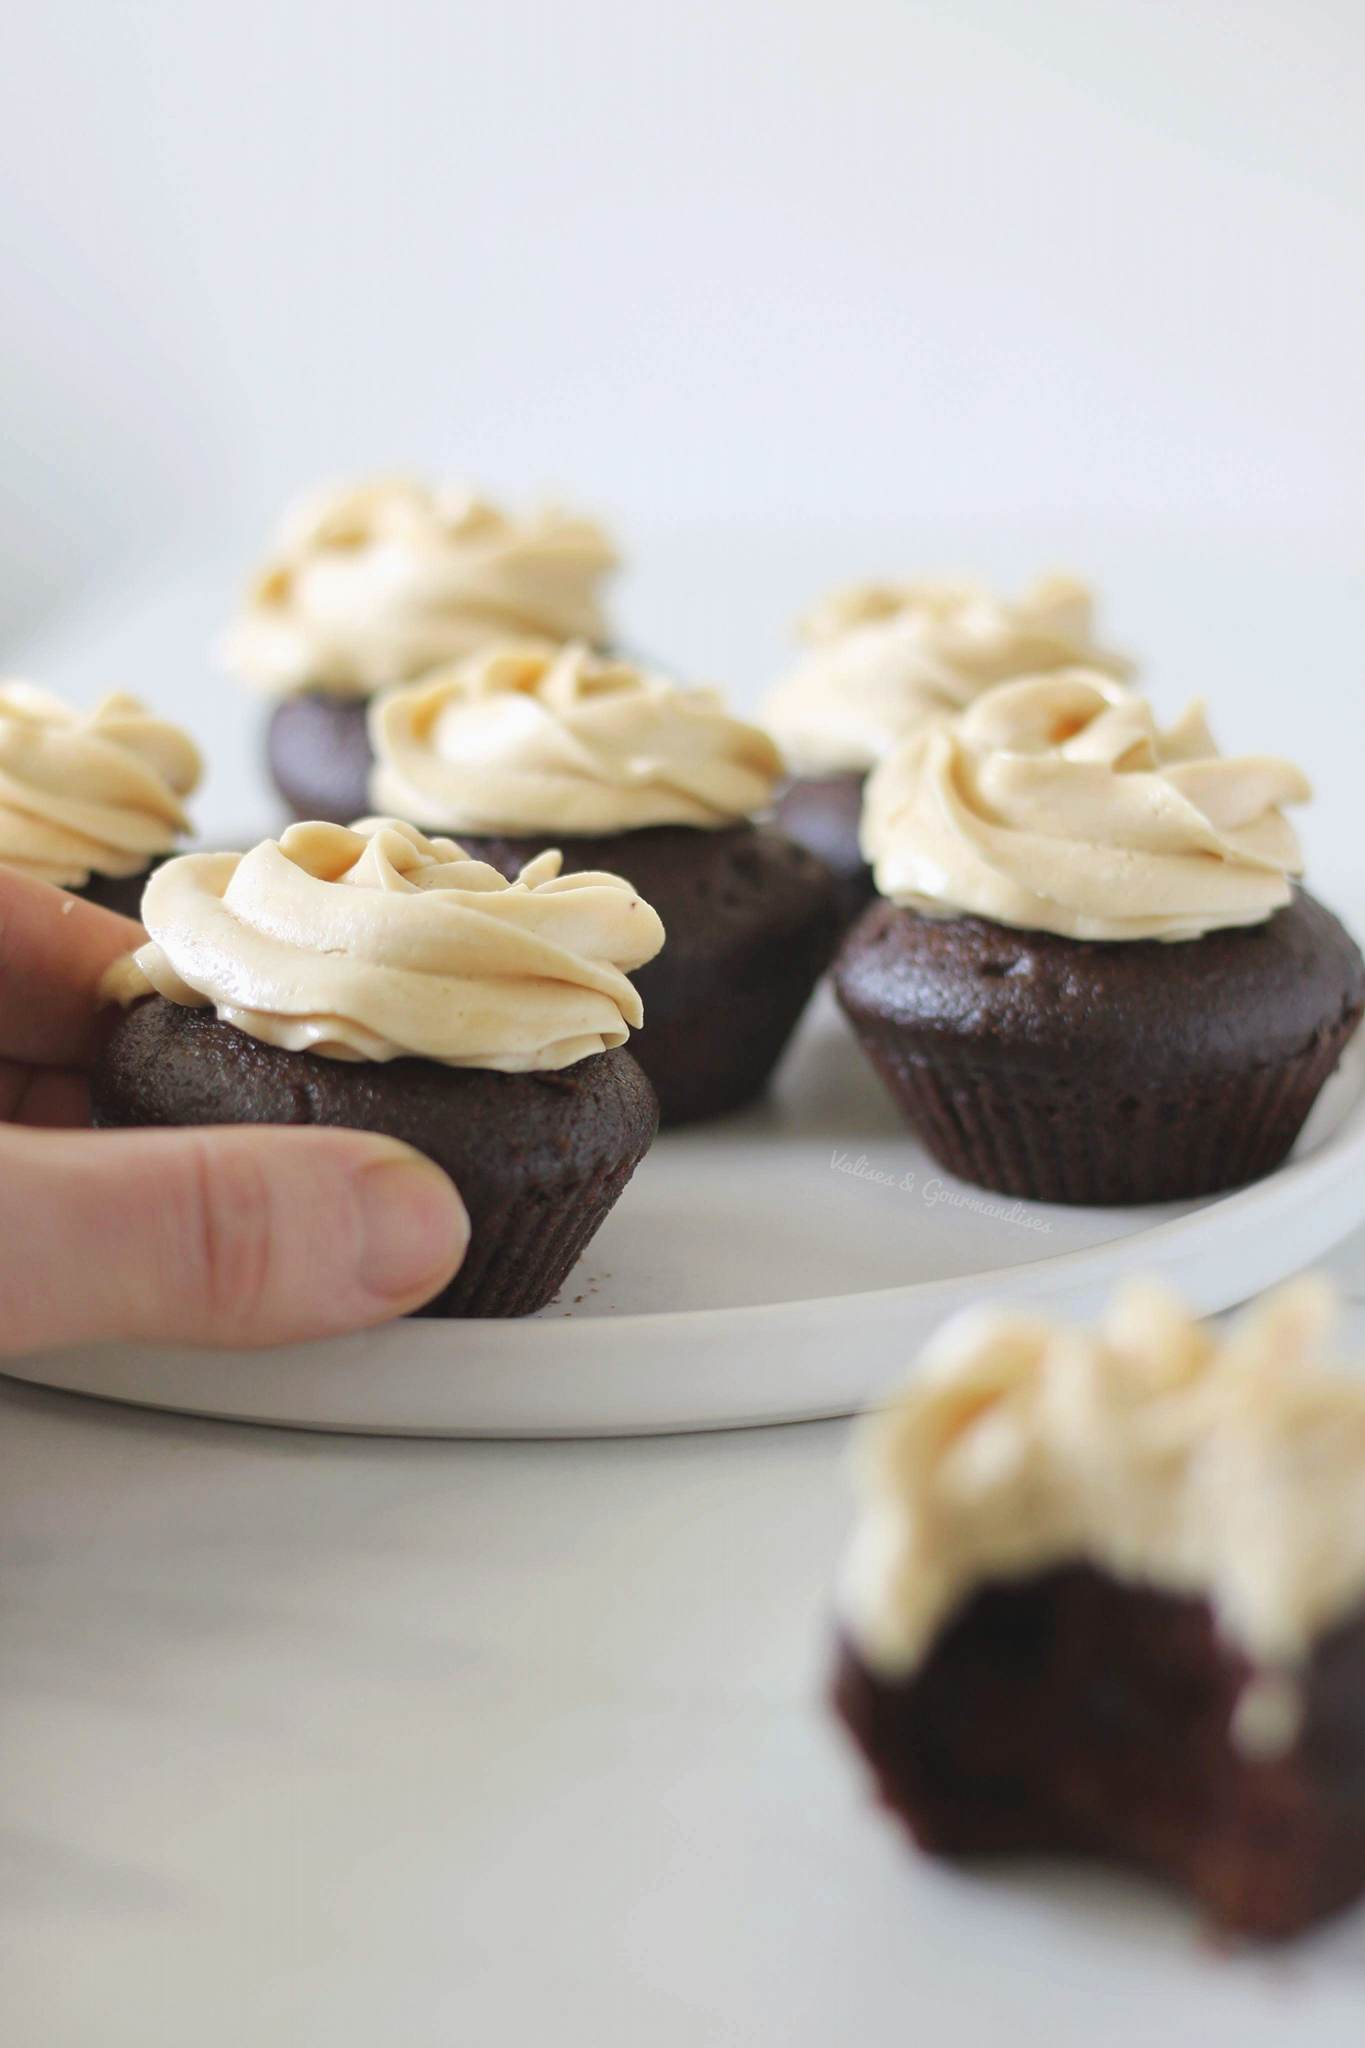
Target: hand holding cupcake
point(91, 800)
point(378, 980)
point(1090, 977)
point(524, 748)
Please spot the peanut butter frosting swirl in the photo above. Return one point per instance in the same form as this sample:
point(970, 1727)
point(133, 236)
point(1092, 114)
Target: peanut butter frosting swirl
point(527, 740)
point(1057, 804)
point(885, 657)
point(87, 793)
point(374, 583)
point(373, 942)
point(1226, 1465)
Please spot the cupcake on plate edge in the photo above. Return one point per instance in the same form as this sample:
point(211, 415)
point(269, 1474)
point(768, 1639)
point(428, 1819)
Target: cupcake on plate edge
point(1090, 976)
point(381, 981)
point(371, 584)
point(882, 658)
point(91, 800)
point(521, 748)
point(1106, 1598)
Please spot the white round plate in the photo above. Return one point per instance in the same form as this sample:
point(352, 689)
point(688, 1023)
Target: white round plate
point(778, 1267)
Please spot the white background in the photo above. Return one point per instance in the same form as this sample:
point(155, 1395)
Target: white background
point(787, 291)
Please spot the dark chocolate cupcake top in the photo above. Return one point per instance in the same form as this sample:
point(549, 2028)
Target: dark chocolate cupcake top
point(373, 942)
point(525, 740)
point(883, 657)
point(89, 793)
point(1167, 1452)
point(1057, 804)
point(372, 583)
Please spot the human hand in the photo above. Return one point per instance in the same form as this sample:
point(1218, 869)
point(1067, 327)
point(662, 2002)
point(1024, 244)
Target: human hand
point(241, 1236)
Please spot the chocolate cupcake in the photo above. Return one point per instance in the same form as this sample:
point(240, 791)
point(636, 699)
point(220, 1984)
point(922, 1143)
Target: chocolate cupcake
point(91, 800)
point(384, 982)
point(520, 749)
point(885, 658)
point(1106, 1599)
point(1091, 978)
point(373, 584)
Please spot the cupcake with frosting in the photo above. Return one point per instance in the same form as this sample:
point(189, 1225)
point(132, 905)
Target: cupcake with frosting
point(376, 979)
point(1106, 1598)
point(522, 748)
point(1090, 975)
point(883, 659)
point(372, 584)
point(91, 800)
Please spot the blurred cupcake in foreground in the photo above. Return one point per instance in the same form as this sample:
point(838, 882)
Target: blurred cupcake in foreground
point(1090, 977)
point(1106, 1598)
point(381, 981)
point(885, 657)
point(521, 749)
point(372, 584)
point(91, 800)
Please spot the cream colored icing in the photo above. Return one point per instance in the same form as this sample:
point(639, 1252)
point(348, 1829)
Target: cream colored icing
point(524, 740)
point(1057, 804)
point(86, 793)
point(374, 942)
point(373, 583)
point(884, 657)
point(1228, 1466)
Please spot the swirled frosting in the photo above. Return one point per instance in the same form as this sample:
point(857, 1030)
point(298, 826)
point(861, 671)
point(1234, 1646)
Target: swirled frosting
point(87, 793)
point(884, 657)
point(526, 740)
point(374, 583)
point(373, 942)
point(1223, 1465)
point(1057, 804)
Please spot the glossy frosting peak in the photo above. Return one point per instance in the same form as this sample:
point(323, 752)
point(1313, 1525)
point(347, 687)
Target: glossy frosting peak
point(374, 583)
point(87, 793)
point(884, 657)
point(1167, 1452)
point(526, 740)
point(1057, 804)
point(374, 942)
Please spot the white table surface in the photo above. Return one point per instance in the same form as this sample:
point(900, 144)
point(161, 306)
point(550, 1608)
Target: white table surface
point(313, 1739)
point(310, 1740)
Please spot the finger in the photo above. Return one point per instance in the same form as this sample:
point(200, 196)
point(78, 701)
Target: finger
point(55, 1099)
point(53, 950)
point(218, 1237)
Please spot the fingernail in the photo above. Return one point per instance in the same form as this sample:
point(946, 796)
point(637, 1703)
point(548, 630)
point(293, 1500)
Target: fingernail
point(414, 1228)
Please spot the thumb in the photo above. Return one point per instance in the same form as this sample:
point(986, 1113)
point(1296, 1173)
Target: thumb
point(220, 1237)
